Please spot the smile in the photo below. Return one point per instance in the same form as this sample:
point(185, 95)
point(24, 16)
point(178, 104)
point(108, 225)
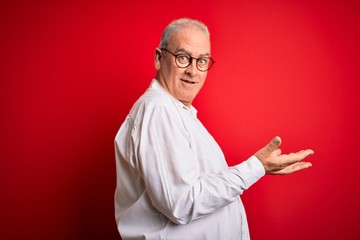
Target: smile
point(188, 81)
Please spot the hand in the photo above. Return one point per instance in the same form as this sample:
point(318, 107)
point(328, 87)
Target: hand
point(276, 163)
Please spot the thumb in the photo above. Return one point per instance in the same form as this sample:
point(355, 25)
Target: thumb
point(269, 148)
point(273, 144)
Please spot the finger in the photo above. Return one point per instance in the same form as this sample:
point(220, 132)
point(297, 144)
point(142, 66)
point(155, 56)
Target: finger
point(276, 152)
point(269, 148)
point(291, 158)
point(293, 168)
point(303, 154)
point(273, 145)
point(299, 166)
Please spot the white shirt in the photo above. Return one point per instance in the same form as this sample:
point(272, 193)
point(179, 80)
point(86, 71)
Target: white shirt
point(172, 178)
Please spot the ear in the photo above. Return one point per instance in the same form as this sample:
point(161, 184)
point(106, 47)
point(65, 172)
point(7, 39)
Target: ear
point(157, 58)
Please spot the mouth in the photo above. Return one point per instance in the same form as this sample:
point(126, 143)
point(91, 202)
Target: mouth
point(188, 81)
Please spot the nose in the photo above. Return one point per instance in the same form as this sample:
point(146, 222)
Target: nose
point(192, 68)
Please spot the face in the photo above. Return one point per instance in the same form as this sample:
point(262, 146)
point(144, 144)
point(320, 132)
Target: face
point(183, 83)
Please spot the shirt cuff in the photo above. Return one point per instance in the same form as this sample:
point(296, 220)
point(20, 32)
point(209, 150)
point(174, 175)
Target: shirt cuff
point(250, 171)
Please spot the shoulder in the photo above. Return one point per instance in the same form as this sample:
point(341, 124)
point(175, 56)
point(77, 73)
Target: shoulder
point(153, 101)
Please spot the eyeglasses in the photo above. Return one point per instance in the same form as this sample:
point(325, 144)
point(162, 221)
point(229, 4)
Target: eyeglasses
point(183, 60)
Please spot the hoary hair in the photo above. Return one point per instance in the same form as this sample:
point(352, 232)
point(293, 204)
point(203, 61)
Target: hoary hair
point(179, 24)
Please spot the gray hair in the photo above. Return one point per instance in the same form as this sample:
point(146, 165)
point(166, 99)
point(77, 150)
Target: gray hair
point(179, 24)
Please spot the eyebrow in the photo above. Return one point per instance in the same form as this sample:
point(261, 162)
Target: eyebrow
point(187, 52)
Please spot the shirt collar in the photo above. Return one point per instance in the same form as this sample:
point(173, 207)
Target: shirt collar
point(156, 85)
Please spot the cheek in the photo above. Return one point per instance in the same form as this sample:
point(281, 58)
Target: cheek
point(203, 77)
point(172, 71)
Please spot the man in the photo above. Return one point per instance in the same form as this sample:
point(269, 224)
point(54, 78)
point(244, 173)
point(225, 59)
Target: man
point(172, 178)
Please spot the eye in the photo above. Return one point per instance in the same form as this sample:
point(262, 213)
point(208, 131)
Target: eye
point(183, 58)
point(203, 61)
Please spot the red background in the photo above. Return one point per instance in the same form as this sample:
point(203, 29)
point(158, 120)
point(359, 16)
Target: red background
point(70, 72)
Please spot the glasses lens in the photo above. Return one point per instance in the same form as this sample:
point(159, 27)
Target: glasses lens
point(182, 60)
point(204, 64)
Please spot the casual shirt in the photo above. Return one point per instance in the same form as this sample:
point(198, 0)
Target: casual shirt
point(172, 178)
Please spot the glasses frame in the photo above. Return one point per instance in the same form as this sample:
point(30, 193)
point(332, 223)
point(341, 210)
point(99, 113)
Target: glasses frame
point(211, 61)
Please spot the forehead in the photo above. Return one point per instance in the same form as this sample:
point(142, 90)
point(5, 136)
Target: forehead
point(192, 39)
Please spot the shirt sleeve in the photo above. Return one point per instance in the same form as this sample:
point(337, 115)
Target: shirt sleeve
point(167, 165)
